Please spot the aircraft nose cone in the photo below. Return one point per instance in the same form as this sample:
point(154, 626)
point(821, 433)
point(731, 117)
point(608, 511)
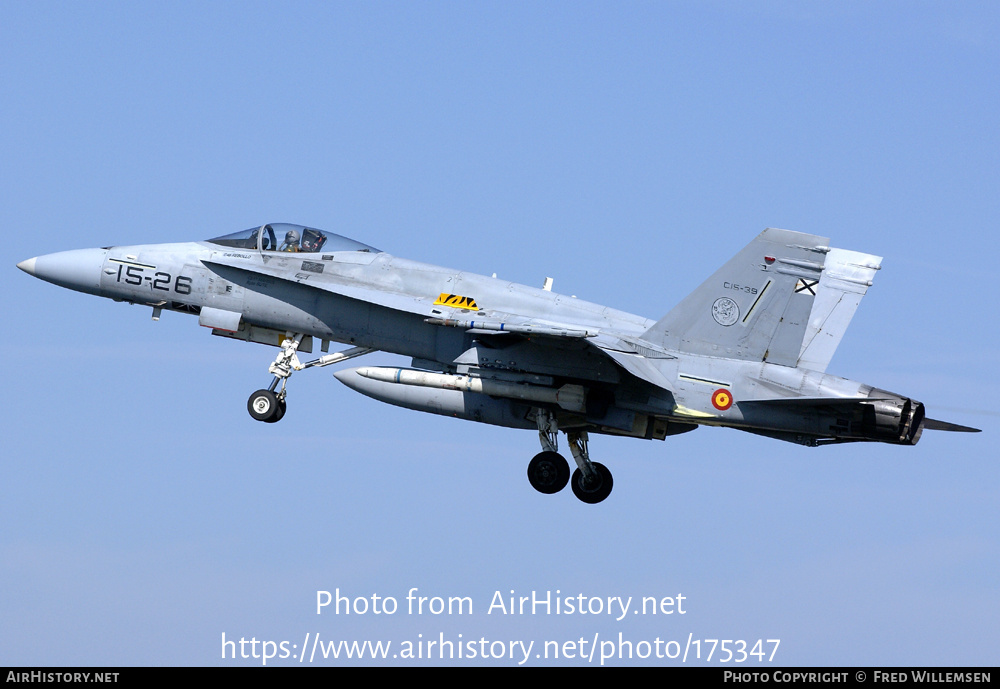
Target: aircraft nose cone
point(79, 269)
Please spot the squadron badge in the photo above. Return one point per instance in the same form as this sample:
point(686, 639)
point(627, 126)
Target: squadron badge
point(725, 311)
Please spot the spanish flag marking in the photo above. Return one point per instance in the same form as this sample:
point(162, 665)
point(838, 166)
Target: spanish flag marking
point(722, 399)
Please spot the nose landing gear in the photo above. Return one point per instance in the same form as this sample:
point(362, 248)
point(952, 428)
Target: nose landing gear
point(266, 406)
point(269, 405)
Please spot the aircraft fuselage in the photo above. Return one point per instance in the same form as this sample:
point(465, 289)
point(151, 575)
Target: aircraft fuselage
point(498, 352)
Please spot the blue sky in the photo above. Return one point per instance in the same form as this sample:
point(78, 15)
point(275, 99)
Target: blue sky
point(626, 151)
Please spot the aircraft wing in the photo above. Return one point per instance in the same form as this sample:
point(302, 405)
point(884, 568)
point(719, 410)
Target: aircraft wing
point(493, 323)
point(628, 353)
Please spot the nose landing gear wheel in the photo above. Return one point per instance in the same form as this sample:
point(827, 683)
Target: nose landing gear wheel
point(548, 472)
point(264, 405)
point(595, 490)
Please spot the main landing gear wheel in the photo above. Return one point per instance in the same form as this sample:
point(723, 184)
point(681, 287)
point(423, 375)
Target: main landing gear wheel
point(264, 405)
point(548, 472)
point(597, 488)
point(279, 412)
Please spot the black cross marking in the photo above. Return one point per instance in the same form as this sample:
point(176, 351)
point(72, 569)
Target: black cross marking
point(806, 286)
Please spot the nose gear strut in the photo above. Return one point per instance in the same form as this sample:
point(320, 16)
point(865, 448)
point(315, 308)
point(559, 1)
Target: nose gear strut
point(269, 405)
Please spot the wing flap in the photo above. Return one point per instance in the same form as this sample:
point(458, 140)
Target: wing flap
point(640, 367)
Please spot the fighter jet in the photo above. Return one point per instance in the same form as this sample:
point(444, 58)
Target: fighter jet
point(748, 349)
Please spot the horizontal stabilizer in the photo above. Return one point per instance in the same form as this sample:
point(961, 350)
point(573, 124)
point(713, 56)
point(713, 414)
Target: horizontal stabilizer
point(935, 425)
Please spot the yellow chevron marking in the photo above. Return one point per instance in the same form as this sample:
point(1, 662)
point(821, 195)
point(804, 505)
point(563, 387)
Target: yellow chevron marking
point(457, 301)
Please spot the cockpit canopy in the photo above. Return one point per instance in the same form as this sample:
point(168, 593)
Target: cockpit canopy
point(290, 238)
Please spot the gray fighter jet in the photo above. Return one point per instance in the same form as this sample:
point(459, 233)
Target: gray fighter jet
point(748, 349)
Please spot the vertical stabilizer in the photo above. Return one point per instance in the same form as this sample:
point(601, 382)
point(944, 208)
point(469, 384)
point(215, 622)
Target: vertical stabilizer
point(756, 307)
point(846, 278)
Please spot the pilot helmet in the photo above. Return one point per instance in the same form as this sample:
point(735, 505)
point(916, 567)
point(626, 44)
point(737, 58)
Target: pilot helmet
point(292, 237)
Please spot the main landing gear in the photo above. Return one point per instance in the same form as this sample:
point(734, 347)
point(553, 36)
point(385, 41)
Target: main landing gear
point(548, 471)
point(269, 405)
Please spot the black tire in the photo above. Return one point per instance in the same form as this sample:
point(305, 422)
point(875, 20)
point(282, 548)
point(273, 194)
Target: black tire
point(548, 472)
point(279, 412)
point(597, 489)
point(263, 405)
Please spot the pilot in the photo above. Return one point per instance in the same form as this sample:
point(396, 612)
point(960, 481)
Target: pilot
point(291, 241)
